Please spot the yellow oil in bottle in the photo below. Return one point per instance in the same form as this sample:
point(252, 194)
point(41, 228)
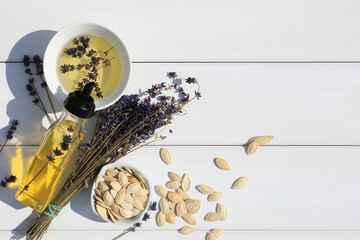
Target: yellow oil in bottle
point(42, 177)
point(108, 76)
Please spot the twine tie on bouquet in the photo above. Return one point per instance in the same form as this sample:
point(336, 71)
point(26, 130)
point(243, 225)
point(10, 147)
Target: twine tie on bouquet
point(51, 207)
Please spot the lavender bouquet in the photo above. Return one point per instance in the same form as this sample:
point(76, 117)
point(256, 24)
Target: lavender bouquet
point(129, 124)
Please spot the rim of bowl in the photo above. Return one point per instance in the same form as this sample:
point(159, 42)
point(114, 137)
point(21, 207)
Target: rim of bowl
point(63, 36)
point(125, 221)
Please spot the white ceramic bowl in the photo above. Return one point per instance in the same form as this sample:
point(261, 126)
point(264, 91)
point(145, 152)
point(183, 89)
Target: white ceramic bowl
point(58, 42)
point(128, 221)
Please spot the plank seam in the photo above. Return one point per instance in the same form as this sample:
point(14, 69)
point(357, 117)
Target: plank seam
point(231, 62)
point(198, 230)
point(206, 145)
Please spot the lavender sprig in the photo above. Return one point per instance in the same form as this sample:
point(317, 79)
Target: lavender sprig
point(92, 67)
point(10, 132)
point(40, 72)
point(152, 208)
point(10, 179)
point(30, 87)
point(64, 146)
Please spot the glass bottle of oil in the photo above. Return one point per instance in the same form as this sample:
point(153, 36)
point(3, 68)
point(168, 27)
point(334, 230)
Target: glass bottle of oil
point(55, 152)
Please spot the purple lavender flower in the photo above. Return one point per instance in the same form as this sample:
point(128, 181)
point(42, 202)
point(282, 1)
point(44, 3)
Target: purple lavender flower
point(197, 95)
point(26, 60)
point(88, 146)
point(28, 71)
point(146, 217)
point(172, 74)
point(153, 206)
point(191, 80)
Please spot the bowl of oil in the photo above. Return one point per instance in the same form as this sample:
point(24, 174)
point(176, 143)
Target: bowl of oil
point(87, 52)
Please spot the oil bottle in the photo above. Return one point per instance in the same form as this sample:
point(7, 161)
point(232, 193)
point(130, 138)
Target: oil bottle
point(61, 141)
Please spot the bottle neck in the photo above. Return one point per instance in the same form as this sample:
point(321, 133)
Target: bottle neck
point(67, 116)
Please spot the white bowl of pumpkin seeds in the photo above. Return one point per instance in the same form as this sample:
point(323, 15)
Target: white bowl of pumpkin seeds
point(120, 194)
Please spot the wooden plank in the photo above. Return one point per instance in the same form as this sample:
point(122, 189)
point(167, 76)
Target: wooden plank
point(196, 30)
point(300, 104)
point(290, 188)
point(228, 235)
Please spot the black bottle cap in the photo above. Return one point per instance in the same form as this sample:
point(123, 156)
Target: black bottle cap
point(80, 103)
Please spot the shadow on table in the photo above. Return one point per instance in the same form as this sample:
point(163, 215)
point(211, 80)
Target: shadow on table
point(15, 159)
point(81, 204)
point(22, 108)
point(19, 231)
point(30, 128)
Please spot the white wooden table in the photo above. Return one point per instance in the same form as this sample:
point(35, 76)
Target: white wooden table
point(286, 68)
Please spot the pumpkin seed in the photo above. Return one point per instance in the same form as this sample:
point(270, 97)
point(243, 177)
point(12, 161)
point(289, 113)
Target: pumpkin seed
point(111, 215)
point(133, 187)
point(189, 218)
point(111, 172)
point(108, 199)
point(165, 155)
point(262, 140)
point(172, 205)
point(133, 179)
point(253, 146)
point(135, 211)
point(123, 180)
point(117, 215)
point(173, 185)
point(183, 194)
point(164, 205)
point(222, 163)
point(98, 179)
point(192, 205)
point(108, 178)
point(128, 198)
point(214, 197)
point(160, 219)
point(102, 204)
point(113, 193)
point(180, 208)
point(115, 207)
point(138, 176)
point(128, 170)
point(116, 186)
point(170, 217)
point(185, 184)
point(97, 198)
point(141, 193)
point(120, 196)
point(204, 189)
point(210, 236)
point(212, 217)
point(161, 191)
point(103, 187)
point(186, 230)
point(240, 183)
point(217, 232)
point(126, 205)
point(174, 196)
point(175, 177)
point(138, 204)
point(101, 211)
point(126, 213)
point(97, 192)
point(222, 211)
